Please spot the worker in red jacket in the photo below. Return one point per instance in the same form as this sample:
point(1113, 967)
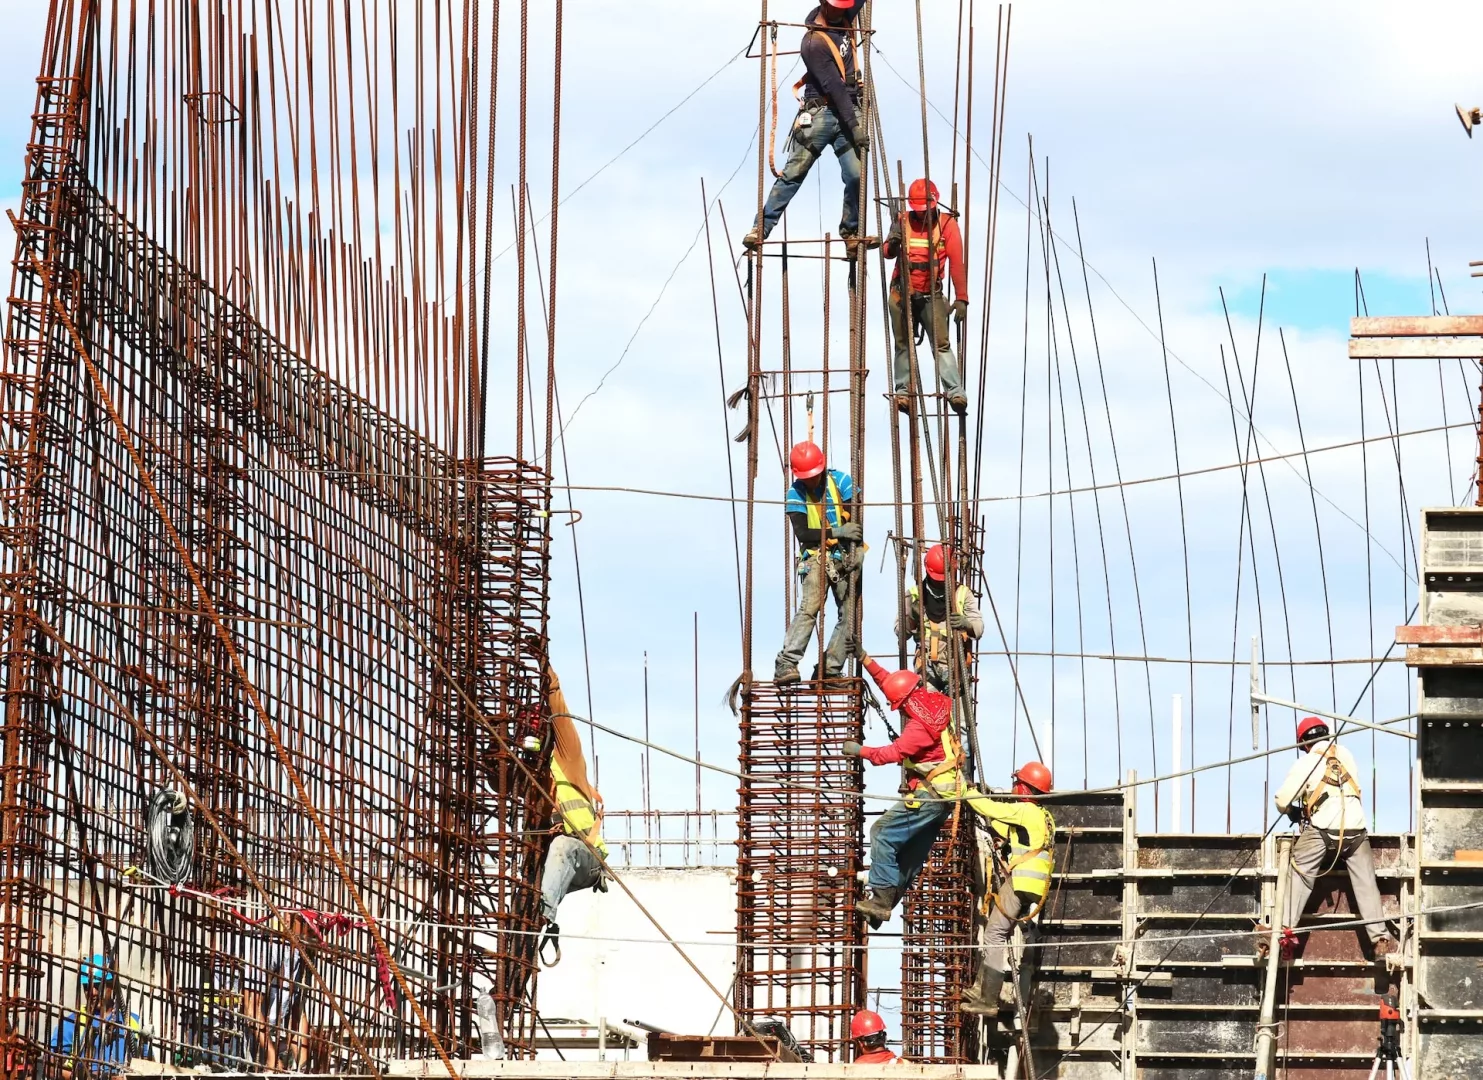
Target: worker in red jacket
point(902, 837)
point(868, 1032)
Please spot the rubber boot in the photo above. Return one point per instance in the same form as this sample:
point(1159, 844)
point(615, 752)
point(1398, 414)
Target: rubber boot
point(982, 998)
point(878, 904)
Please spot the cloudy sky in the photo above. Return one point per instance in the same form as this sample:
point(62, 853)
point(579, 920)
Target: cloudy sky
point(1299, 144)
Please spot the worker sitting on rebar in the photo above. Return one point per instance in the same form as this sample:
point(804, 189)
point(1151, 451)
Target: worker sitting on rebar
point(928, 619)
point(830, 114)
point(932, 244)
point(1321, 793)
point(104, 1036)
point(821, 499)
point(575, 858)
point(1018, 867)
point(902, 837)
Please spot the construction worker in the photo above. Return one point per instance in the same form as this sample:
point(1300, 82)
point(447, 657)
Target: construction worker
point(901, 838)
point(575, 858)
point(829, 115)
point(1321, 793)
point(105, 1036)
point(868, 1031)
point(1024, 837)
point(932, 245)
point(820, 497)
point(929, 620)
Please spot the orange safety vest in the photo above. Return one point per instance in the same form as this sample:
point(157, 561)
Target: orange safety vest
point(920, 245)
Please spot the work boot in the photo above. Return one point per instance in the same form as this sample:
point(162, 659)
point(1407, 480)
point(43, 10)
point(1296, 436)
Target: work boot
point(878, 904)
point(1385, 947)
point(959, 403)
point(786, 676)
point(982, 998)
point(753, 240)
point(853, 242)
point(902, 401)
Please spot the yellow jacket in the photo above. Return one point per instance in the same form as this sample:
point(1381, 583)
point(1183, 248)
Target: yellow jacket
point(1031, 832)
point(577, 801)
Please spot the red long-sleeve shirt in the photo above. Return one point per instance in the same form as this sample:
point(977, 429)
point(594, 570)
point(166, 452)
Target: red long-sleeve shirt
point(927, 714)
point(949, 262)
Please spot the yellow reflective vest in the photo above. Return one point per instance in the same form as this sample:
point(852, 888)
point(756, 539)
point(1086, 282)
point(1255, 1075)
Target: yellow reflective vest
point(1031, 832)
point(578, 818)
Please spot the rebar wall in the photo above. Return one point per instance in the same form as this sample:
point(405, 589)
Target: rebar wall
point(253, 549)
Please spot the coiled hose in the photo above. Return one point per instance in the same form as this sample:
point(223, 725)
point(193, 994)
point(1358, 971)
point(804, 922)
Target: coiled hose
point(171, 831)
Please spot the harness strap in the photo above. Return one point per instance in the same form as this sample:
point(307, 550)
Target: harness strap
point(833, 48)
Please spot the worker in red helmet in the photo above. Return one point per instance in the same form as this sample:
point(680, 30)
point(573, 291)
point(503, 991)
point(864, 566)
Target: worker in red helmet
point(830, 114)
point(868, 1032)
point(928, 618)
point(1018, 869)
point(928, 749)
point(819, 506)
point(1322, 794)
point(932, 246)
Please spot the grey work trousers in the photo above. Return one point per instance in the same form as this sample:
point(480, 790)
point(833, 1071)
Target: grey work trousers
point(1003, 917)
point(933, 317)
point(1313, 852)
point(570, 867)
point(815, 580)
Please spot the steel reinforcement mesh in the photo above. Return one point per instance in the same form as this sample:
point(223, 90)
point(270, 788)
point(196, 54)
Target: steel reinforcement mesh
point(800, 837)
point(386, 608)
point(936, 960)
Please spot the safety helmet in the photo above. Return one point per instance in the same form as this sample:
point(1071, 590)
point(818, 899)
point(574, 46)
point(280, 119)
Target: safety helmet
point(839, 3)
point(1309, 725)
point(866, 1023)
point(898, 687)
point(1033, 775)
point(95, 970)
point(935, 563)
point(922, 195)
point(807, 460)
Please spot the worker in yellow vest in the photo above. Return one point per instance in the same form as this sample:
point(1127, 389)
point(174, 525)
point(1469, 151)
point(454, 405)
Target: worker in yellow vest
point(930, 620)
point(1022, 858)
point(575, 859)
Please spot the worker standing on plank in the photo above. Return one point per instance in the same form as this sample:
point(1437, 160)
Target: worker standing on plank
point(931, 622)
point(830, 116)
point(1024, 837)
point(932, 245)
point(101, 1039)
point(902, 837)
point(868, 1031)
point(572, 861)
point(1322, 794)
point(818, 505)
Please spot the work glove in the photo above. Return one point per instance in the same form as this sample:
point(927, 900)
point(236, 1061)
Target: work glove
point(858, 138)
point(960, 311)
point(958, 621)
point(851, 531)
point(851, 748)
point(1295, 815)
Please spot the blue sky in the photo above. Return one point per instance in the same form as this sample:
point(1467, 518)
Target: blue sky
point(1299, 143)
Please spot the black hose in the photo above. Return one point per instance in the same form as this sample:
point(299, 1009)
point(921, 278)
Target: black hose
point(171, 830)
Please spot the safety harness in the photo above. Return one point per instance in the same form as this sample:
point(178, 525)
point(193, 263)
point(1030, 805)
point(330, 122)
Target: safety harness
point(1335, 778)
point(924, 249)
point(950, 766)
point(817, 509)
point(1021, 855)
point(822, 29)
point(935, 635)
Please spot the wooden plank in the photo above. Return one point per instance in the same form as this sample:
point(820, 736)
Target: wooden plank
point(1416, 348)
point(1439, 635)
point(1442, 656)
point(1416, 325)
point(716, 1048)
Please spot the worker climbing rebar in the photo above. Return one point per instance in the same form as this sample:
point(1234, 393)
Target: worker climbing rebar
point(830, 114)
point(1020, 861)
point(930, 621)
point(932, 246)
point(818, 505)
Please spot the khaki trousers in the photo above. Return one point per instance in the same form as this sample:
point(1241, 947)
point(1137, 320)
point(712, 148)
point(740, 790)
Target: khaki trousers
point(1313, 852)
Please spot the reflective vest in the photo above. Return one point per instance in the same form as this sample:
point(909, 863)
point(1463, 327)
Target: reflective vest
point(919, 245)
point(943, 776)
point(1336, 778)
point(577, 815)
point(817, 510)
point(933, 636)
point(1031, 850)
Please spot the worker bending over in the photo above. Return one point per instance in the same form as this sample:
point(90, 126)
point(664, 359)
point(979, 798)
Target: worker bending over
point(829, 116)
point(575, 859)
point(1024, 838)
point(820, 499)
point(1321, 793)
point(931, 244)
point(931, 621)
point(868, 1031)
point(902, 837)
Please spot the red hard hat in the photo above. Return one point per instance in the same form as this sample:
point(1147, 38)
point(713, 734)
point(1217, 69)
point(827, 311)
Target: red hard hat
point(898, 686)
point(807, 460)
point(866, 1023)
point(935, 564)
point(840, 3)
point(922, 195)
point(1034, 775)
point(1310, 723)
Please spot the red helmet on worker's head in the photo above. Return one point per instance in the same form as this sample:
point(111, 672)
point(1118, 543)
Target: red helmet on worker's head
point(865, 1023)
point(922, 195)
point(807, 460)
point(1033, 777)
point(898, 686)
point(935, 564)
point(840, 4)
point(1312, 727)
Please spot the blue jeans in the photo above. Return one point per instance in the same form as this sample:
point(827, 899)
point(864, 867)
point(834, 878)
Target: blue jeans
point(570, 867)
point(901, 839)
point(807, 144)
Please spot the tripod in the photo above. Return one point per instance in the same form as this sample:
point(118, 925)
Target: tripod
point(1389, 1050)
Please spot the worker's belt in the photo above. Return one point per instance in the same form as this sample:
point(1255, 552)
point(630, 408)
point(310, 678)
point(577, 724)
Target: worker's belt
point(810, 104)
